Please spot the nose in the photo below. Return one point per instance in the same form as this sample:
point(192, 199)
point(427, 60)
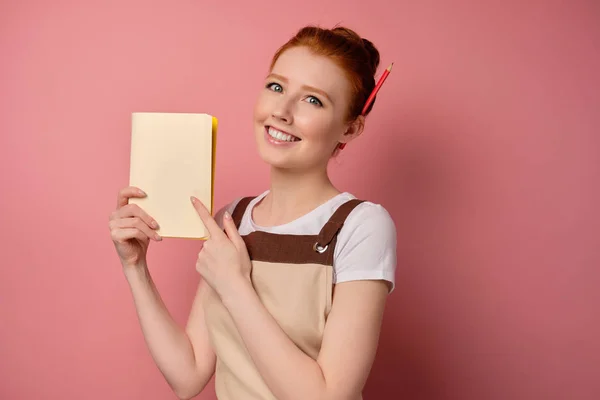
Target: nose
point(283, 111)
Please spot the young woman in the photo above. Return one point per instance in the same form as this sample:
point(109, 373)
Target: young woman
point(294, 280)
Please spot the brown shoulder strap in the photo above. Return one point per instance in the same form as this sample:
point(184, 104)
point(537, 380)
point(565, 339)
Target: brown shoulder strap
point(335, 223)
point(240, 208)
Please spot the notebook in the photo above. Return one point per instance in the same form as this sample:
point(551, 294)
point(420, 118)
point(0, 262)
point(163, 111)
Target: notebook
point(172, 158)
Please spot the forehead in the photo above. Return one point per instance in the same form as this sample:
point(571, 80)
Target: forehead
point(302, 67)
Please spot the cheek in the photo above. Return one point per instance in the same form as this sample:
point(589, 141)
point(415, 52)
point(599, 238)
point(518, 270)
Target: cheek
point(261, 108)
point(318, 128)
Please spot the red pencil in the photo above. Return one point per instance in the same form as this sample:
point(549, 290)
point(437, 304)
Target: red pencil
point(377, 87)
point(373, 94)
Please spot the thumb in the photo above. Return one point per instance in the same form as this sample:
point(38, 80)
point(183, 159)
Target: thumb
point(232, 232)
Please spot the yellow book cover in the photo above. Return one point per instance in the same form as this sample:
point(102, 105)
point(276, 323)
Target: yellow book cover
point(173, 158)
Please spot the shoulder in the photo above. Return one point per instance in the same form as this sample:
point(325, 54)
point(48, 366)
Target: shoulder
point(229, 207)
point(232, 206)
point(366, 245)
point(367, 213)
point(371, 223)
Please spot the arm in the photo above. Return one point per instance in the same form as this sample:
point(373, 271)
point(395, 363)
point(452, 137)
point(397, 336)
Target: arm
point(184, 357)
point(354, 323)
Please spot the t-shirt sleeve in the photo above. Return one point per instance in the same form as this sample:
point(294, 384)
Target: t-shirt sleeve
point(366, 246)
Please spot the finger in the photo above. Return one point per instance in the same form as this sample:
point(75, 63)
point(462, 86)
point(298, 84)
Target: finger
point(232, 232)
point(133, 210)
point(209, 222)
point(135, 222)
point(126, 193)
point(122, 235)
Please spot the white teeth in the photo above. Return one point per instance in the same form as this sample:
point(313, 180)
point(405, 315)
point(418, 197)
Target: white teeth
point(280, 135)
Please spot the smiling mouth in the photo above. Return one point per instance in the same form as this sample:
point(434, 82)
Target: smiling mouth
point(281, 136)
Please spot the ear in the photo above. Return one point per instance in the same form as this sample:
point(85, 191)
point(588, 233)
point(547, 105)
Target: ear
point(353, 130)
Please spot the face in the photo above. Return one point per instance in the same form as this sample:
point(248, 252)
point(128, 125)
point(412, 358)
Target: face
point(300, 114)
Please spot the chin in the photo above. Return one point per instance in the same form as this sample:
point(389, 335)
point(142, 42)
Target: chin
point(275, 158)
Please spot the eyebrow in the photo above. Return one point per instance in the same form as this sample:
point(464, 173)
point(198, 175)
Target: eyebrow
point(309, 88)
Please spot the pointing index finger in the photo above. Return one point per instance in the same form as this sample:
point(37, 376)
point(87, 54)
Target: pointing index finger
point(207, 219)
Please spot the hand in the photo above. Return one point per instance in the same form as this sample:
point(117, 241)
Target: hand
point(131, 228)
point(224, 258)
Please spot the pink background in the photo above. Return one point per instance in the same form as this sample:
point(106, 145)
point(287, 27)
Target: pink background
point(483, 146)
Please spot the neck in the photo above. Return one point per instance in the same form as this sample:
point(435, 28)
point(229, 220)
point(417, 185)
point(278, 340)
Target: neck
point(293, 194)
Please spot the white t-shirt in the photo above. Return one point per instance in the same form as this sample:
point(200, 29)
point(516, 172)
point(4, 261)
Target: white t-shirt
point(366, 244)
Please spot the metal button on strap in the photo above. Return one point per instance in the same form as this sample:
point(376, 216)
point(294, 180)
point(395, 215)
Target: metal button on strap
point(318, 248)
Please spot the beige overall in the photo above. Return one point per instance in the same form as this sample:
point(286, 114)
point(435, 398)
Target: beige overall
point(293, 277)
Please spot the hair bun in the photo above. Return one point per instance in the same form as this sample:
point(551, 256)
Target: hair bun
point(373, 54)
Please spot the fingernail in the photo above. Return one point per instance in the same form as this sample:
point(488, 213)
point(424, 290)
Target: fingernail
point(158, 237)
point(193, 199)
point(227, 215)
point(154, 224)
point(142, 192)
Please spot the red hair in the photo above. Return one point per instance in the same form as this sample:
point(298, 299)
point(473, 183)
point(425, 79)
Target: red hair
point(358, 58)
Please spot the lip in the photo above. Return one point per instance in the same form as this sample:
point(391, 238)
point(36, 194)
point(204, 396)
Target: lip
point(280, 130)
point(270, 139)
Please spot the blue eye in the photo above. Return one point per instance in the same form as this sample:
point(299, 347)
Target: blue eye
point(315, 101)
point(274, 87)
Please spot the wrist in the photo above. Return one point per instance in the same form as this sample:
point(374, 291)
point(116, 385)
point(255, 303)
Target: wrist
point(237, 288)
point(136, 271)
